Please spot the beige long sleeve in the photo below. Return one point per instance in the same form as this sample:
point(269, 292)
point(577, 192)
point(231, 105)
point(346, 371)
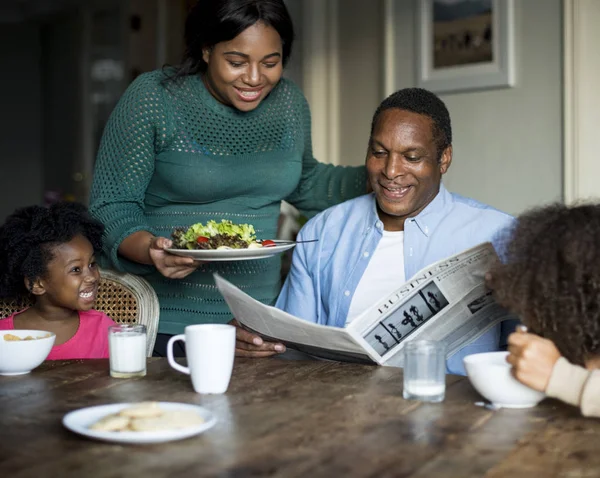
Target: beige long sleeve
point(577, 386)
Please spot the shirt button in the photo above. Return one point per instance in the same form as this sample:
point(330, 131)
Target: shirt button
point(366, 254)
point(347, 293)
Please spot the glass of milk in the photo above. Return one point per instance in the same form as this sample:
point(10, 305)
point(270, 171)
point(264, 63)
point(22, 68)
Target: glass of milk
point(127, 350)
point(424, 371)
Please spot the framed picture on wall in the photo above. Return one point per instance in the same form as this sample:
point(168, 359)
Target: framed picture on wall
point(465, 45)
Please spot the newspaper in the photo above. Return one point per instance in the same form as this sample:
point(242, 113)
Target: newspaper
point(446, 301)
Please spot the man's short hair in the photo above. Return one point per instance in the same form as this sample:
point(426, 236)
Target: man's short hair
point(423, 102)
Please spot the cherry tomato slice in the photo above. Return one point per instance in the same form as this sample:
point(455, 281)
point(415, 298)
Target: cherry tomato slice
point(268, 243)
point(202, 239)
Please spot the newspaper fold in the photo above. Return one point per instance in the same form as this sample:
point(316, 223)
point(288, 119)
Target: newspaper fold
point(445, 301)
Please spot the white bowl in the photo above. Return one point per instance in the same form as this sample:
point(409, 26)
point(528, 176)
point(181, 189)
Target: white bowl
point(22, 356)
point(490, 375)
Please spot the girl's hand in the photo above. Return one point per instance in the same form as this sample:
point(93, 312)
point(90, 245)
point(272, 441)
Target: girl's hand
point(169, 265)
point(532, 358)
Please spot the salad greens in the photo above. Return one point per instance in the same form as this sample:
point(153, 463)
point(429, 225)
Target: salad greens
point(212, 228)
point(214, 235)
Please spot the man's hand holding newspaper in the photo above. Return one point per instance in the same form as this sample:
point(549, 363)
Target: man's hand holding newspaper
point(249, 344)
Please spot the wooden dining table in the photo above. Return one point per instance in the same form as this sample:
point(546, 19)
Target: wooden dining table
point(282, 418)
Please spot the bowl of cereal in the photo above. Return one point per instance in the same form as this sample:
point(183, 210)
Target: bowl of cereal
point(490, 374)
point(23, 350)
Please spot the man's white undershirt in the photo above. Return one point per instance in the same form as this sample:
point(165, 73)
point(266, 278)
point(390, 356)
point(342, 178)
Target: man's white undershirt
point(384, 274)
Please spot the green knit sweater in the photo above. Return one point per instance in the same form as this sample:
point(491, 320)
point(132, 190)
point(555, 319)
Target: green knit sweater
point(172, 156)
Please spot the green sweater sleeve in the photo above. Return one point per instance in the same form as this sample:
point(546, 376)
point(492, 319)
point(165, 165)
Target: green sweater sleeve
point(323, 185)
point(135, 131)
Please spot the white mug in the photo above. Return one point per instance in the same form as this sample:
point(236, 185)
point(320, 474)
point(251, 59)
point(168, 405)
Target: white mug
point(209, 349)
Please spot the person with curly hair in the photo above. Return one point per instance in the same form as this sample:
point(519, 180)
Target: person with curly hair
point(551, 279)
point(49, 253)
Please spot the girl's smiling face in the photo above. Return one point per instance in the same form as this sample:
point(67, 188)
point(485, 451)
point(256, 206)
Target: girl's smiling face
point(72, 277)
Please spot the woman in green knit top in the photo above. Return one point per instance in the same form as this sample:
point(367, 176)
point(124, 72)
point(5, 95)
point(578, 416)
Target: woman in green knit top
point(223, 136)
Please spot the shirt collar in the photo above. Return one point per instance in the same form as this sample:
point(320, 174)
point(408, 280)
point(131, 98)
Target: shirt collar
point(427, 220)
point(430, 217)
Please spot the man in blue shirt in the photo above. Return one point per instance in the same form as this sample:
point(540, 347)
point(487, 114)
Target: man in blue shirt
point(370, 245)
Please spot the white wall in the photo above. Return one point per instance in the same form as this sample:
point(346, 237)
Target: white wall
point(581, 99)
point(508, 142)
point(21, 172)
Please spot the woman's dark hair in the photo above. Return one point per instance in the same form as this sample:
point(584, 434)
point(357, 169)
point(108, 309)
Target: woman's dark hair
point(215, 21)
point(551, 277)
point(29, 235)
point(423, 102)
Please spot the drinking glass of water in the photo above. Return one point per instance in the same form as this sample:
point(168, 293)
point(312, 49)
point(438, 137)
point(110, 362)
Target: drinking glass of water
point(424, 371)
point(127, 350)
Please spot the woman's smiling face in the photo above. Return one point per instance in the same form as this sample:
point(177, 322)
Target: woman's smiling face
point(404, 167)
point(243, 71)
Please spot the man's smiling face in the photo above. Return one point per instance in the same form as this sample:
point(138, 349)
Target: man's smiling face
point(404, 167)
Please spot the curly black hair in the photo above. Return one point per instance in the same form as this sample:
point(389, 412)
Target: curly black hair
point(551, 277)
point(423, 102)
point(28, 236)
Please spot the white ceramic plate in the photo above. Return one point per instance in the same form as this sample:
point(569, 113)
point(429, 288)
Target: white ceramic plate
point(79, 421)
point(234, 254)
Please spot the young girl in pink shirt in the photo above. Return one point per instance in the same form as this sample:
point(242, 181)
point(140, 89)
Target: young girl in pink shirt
point(49, 253)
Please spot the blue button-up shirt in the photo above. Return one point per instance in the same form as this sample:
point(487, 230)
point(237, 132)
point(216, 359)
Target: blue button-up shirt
point(325, 274)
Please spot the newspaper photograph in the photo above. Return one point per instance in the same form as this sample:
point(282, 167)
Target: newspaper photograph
point(446, 301)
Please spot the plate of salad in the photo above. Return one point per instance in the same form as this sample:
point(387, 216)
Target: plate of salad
point(224, 241)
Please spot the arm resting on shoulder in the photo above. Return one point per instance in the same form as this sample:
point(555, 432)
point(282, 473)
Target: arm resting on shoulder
point(325, 185)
